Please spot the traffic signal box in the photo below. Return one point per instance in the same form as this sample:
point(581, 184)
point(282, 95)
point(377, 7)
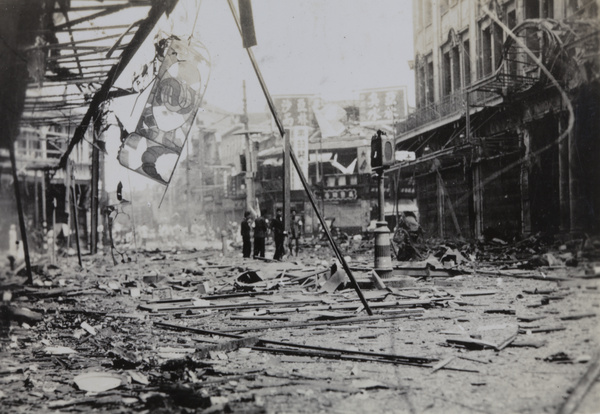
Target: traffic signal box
point(383, 150)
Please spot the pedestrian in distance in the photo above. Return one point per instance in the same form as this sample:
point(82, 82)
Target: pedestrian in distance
point(260, 232)
point(278, 234)
point(295, 231)
point(245, 231)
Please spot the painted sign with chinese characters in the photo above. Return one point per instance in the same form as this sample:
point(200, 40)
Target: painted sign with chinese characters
point(299, 143)
point(383, 105)
point(295, 110)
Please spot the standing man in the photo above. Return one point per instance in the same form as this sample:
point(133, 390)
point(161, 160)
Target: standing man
point(245, 231)
point(278, 234)
point(260, 232)
point(295, 233)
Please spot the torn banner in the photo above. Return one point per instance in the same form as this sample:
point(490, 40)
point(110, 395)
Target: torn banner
point(154, 147)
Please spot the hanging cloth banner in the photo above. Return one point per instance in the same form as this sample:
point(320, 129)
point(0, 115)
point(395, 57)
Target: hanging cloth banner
point(153, 149)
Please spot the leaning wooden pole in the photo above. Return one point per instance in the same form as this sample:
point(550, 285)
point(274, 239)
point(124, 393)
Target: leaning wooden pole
point(13, 163)
point(296, 164)
point(76, 221)
point(94, 192)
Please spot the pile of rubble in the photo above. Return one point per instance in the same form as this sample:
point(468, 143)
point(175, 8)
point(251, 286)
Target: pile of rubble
point(192, 331)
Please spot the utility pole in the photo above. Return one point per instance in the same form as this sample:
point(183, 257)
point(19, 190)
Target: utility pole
point(188, 196)
point(287, 181)
point(20, 210)
point(97, 123)
point(249, 153)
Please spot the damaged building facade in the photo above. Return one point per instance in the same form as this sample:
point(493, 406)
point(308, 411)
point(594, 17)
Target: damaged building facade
point(505, 146)
point(331, 141)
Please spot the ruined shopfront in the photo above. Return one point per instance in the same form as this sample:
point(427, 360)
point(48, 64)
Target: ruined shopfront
point(505, 156)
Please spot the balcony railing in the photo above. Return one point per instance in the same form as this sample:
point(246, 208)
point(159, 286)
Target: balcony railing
point(447, 106)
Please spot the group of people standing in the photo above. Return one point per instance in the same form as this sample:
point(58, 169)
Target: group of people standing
point(261, 230)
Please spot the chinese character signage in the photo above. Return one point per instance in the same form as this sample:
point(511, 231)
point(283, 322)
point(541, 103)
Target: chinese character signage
point(295, 110)
point(299, 143)
point(383, 105)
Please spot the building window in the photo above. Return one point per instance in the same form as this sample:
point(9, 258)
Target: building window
point(548, 9)
point(490, 48)
point(455, 62)
point(486, 51)
point(421, 85)
point(466, 62)
point(498, 38)
point(511, 19)
point(429, 74)
point(532, 9)
point(451, 80)
point(446, 74)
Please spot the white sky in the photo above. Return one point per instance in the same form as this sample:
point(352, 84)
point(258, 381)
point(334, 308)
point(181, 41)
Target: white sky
point(327, 47)
point(331, 48)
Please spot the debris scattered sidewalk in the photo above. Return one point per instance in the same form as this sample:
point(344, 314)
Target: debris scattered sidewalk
point(179, 331)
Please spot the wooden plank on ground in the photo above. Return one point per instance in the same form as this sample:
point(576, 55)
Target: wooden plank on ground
point(442, 364)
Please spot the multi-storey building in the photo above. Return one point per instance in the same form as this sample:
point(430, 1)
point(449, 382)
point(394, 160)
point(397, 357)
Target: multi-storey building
point(47, 199)
point(331, 141)
point(506, 126)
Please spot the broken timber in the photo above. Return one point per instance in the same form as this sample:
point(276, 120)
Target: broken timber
point(398, 359)
point(371, 318)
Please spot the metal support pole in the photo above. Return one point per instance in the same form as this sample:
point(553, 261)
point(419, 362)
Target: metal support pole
point(36, 191)
point(287, 180)
point(249, 177)
point(44, 213)
point(94, 192)
point(75, 215)
point(381, 194)
point(296, 164)
point(54, 237)
point(13, 164)
point(188, 192)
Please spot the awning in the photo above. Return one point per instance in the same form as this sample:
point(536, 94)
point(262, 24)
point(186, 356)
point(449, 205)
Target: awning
point(79, 56)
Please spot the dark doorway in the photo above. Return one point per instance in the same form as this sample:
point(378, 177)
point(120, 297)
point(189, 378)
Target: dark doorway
point(544, 176)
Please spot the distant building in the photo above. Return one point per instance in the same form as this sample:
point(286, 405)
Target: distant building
point(331, 141)
point(489, 127)
point(45, 190)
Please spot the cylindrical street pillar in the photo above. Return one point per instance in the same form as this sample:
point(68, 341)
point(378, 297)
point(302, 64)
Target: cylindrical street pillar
point(383, 259)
